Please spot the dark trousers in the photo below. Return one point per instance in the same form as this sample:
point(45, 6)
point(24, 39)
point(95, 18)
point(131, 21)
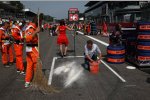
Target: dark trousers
point(87, 61)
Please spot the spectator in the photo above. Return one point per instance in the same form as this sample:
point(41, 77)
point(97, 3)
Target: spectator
point(115, 37)
point(88, 28)
point(104, 29)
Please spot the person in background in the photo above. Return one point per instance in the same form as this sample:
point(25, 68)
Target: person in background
point(92, 53)
point(115, 37)
point(53, 30)
point(62, 37)
point(104, 29)
point(1, 22)
point(42, 27)
point(88, 28)
point(49, 29)
point(84, 29)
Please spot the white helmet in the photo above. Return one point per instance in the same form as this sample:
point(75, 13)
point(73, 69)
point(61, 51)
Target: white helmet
point(20, 24)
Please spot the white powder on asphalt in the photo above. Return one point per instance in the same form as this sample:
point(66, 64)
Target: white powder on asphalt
point(72, 72)
point(59, 70)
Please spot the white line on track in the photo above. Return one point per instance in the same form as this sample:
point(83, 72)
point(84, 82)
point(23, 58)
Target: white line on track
point(72, 57)
point(104, 43)
point(122, 79)
point(51, 71)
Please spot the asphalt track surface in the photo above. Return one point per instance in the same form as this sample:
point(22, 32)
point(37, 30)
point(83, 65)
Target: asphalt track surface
point(104, 86)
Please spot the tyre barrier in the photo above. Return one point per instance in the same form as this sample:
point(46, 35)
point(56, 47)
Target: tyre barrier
point(116, 59)
point(143, 56)
point(143, 36)
point(143, 44)
point(143, 47)
point(115, 54)
point(129, 33)
point(115, 50)
point(131, 43)
point(130, 37)
point(131, 51)
point(143, 26)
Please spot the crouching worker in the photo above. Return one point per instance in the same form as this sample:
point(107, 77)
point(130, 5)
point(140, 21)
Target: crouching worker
point(92, 53)
point(31, 38)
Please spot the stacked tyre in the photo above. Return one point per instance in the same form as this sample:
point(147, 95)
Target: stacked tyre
point(116, 54)
point(143, 45)
point(131, 41)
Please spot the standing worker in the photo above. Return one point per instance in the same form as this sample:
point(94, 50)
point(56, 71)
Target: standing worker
point(105, 29)
point(92, 53)
point(18, 47)
point(31, 38)
point(62, 37)
point(6, 46)
point(49, 29)
point(88, 28)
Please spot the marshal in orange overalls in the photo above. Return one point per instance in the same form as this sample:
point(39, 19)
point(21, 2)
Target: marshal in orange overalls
point(18, 47)
point(7, 51)
point(105, 29)
point(88, 28)
point(31, 50)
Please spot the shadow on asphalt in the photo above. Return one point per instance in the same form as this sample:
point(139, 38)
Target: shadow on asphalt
point(148, 80)
point(70, 51)
point(25, 65)
point(105, 56)
point(83, 65)
point(146, 70)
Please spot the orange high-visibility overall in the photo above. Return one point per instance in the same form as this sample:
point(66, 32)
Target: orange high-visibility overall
point(104, 27)
point(32, 52)
point(7, 51)
point(88, 28)
point(18, 47)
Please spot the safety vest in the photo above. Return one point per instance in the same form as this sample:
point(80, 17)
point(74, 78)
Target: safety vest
point(17, 34)
point(31, 43)
point(5, 41)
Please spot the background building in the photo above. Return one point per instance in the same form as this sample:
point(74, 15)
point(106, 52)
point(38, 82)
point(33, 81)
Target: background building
point(145, 8)
point(113, 11)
